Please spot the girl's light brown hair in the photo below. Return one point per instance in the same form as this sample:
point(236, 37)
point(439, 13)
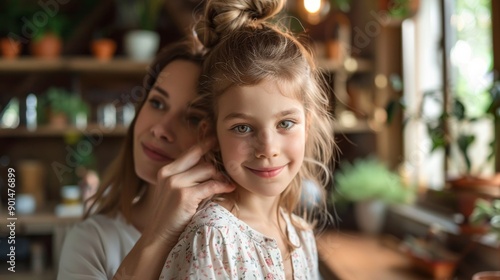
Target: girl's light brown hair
point(246, 50)
point(121, 184)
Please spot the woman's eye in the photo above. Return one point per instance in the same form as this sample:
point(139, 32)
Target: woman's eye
point(286, 124)
point(241, 129)
point(193, 119)
point(156, 103)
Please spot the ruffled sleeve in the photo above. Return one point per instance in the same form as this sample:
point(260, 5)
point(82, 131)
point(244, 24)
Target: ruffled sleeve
point(200, 254)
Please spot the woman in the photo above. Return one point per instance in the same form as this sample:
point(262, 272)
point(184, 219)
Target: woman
point(155, 184)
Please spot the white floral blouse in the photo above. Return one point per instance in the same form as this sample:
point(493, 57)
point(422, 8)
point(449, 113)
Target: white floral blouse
point(217, 245)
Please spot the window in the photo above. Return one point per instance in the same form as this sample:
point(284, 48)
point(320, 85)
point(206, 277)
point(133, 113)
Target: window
point(469, 67)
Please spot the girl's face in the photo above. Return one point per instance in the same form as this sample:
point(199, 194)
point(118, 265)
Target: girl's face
point(165, 126)
point(262, 136)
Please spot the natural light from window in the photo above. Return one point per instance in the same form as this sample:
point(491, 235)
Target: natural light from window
point(470, 78)
point(472, 54)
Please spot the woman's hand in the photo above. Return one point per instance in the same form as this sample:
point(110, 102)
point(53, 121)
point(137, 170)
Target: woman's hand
point(181, 186)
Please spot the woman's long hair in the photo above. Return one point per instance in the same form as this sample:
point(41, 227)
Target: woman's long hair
point(121, 184)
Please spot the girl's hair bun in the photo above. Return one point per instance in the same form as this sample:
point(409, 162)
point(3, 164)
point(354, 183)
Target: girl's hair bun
point(224, 16)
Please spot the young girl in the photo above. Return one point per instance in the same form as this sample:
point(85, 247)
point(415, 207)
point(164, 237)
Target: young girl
point(261, 90)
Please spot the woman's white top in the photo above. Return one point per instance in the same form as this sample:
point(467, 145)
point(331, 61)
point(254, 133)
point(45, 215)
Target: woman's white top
point(95, 248)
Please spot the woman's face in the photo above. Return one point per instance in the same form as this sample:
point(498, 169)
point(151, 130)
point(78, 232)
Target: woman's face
point(166, 126)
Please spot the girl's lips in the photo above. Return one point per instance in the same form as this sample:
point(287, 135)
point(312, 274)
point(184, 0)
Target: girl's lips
point(267, 172)
point(154, 154)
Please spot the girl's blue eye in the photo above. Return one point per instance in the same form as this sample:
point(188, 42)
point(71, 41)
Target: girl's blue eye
point(286, 124)
point(241, 129)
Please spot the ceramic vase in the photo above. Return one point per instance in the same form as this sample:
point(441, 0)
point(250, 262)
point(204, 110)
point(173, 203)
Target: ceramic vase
point(141, 45)
point(370, 215)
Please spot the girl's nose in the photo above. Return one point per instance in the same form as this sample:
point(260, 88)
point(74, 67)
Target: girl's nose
point(266, 146)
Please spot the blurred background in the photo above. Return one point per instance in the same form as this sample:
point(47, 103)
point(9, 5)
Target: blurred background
point(414, 87)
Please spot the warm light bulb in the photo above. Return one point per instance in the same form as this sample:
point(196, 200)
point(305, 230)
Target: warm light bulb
point(312, 6)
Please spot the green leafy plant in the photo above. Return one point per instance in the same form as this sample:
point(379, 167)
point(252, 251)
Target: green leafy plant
point(399, 8)
point(60, 101)
point(149, 12)
point(10, 20)
point(55, 25)
point(367, 179)
point(343, 5)
point(458, 134)
point(487, 212)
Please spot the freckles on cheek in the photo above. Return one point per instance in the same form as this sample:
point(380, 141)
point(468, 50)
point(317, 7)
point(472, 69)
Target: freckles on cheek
point(244, 148)
point(234, 152)
point(235, 148)
point(231, 167)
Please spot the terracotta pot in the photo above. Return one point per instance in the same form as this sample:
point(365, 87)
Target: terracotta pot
point(484, 185)
point(443, 269)
point(49, 46)
point(103, 49)
point(58, 120)
point(10, 48)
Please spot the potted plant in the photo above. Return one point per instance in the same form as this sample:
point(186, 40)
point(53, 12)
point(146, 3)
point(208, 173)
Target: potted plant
point(457, 141)
point(10, 48)
point(487, 212)
point(371, 185)
point(142, 42)
point(103, 48)
point(47, 41)
point(59, 108)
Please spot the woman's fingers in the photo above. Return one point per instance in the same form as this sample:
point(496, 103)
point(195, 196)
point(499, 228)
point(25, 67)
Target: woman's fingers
point(212, 187)
point(187, 160)
point(200, 181)
point(201, 172)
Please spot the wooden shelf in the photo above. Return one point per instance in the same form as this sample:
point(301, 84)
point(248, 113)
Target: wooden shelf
point(73, 64)
point(83, 64)
point(49, 131)
point(37, 223)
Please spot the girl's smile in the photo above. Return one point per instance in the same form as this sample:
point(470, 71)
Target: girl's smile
point(267, 172)
point(262, 135)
